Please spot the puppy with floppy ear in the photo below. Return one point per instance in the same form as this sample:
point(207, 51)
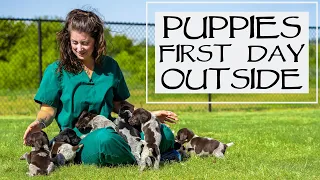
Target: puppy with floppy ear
point(130, 134)
point(83, 120)
point(127, 106)
point(88, 120)
point(140, 116)
point(202, 146)
point(38, 140)
point(39, 158)
point(69, 136)
point(150, 126)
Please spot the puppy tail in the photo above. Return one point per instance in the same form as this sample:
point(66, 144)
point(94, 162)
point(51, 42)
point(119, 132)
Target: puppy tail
point(229, 144)
point(75, 148)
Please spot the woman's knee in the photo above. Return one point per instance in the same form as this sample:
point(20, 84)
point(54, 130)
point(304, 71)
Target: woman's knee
point(105, 146)
point(167, 141)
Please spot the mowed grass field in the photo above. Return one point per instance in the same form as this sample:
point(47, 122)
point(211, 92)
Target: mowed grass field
point(273, 144)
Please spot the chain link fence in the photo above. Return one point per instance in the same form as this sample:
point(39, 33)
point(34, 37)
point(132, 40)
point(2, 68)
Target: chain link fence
point(28, 46)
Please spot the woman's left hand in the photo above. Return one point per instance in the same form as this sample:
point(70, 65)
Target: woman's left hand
point(166, 116)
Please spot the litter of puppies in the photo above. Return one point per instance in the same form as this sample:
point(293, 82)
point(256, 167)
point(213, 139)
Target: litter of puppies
point(45, 157)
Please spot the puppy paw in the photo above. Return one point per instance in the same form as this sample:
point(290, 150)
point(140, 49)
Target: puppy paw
point(24, 156)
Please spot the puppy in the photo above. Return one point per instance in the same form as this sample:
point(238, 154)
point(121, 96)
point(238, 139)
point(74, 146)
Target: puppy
point(129, 133)
point(150, 126)
point(37, 140)
point(69, 136)
point(202, 146)
point(88, 120)
point(63, 153)
point(39, 158)
point(124, 106)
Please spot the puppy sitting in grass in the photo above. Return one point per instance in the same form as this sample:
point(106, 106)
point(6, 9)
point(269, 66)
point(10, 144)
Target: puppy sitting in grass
point(201, 146)
point(130, 133)
point(150, 126)
point(39, 158)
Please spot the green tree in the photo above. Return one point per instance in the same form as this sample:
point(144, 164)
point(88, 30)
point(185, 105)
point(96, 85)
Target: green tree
point(22, 69)
point(11, 32)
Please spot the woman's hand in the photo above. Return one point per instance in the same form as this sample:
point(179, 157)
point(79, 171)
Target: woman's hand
point(33, 127)
point(166, 116)
point(44, 118)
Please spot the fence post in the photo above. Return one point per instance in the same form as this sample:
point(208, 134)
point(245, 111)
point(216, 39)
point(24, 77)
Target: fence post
point(40, 50)
point(209, 104)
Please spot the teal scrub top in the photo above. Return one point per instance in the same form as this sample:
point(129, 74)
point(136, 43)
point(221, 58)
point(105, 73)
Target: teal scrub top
point(72, 93)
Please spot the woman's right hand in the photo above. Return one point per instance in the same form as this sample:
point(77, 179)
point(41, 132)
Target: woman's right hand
point(33, 127)
point(46, 113)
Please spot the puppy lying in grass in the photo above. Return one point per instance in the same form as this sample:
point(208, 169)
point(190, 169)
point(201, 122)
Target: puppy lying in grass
point(201, 146)
point(39, 158)
point(63, 153)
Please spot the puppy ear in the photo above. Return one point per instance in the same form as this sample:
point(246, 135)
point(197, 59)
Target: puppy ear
point(127, 106)
point(189, 133)
point(28, 141)
point(83, 114)
point(145, 116)
point(44, 138)
point(66, 139)
point(71, 133)
point(32, 140)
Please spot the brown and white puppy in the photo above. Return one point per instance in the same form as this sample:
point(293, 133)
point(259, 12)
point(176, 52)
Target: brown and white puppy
point(150, 126)
point(92, 121)
point(39, 158)
point(63, 153)
point(131, 134)
point(202, 146)
point(69, 136)
point(83, 120)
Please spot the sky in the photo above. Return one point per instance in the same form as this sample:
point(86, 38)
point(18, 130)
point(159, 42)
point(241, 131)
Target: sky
point(135, 10)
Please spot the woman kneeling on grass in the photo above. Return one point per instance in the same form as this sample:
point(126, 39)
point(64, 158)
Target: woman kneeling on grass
point(85, 79)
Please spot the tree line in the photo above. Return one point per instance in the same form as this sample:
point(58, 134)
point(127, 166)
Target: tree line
point(19, 60)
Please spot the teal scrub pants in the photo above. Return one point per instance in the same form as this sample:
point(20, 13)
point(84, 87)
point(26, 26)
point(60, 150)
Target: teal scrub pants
point(106, 147)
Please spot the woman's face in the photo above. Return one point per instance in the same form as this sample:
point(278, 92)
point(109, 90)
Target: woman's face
point(82, 45)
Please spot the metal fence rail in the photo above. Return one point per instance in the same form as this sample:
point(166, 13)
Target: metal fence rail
point(27, 46)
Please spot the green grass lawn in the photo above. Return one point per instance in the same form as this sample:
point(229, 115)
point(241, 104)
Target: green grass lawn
point(282, 144)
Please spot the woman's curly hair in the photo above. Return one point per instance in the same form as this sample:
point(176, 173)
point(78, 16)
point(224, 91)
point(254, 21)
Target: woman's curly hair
point(82, 21)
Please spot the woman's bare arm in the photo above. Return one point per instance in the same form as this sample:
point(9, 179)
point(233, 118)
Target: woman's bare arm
point(46, 114)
